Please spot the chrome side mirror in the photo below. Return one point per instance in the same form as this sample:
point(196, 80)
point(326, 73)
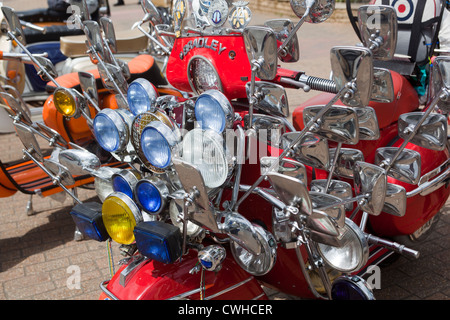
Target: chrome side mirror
point(286, 166)
point(432, 134)
point(368, 124)
point(48, 66)
point(110, 35)
point(94, 37)
point(312, 150)
point(320, 10)
point(378, 29)
point(192, 181)
point(89, 86)
point(79, 162)
point(346, 161)
point(152, 14)
point(383, 86)
point(339, 124)
point(370, 182)
point(82, 9)
point(272, 98)
point(62, 173)
point(291, 191)
point(16, 107)
point(337, 188)
point(336, 212)
point(353, 66)
point(261, 47)
point(282, 28)
point(118, 78)
point(29, 141)
point(407, 166)
point(440, 80)
point(395, 201)
point(14, 24)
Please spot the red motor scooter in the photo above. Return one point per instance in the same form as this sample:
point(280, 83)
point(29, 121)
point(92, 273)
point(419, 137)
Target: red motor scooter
point(310, 221)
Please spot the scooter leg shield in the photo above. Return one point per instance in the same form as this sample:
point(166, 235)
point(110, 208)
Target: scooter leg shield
point(153, 280)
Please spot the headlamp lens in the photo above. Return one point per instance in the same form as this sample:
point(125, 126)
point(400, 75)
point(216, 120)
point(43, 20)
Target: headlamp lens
point(106, 133)
point(148, 196)
point(118, 214)
point(209, 113)
point(205, 150)
point(64, 103)
point(140, 96)
point(352, 255)
point(155, 147)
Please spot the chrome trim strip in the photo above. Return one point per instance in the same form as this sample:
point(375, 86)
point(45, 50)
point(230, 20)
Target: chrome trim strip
point(106, 291)
point(229, 288)
point(188, 293)
point(431, 185)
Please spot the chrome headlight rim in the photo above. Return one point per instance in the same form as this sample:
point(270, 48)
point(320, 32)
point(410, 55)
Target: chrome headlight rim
point(359, 239)
point(147, 88)
point(219, 100)
point(267, 256)
point(191, 77)
point(128, 177)
point(138, 125)
point(73, 95)
point(160, 187)
point(120, 125)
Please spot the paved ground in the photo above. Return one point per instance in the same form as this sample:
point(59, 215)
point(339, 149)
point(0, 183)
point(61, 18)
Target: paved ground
point(37, 253)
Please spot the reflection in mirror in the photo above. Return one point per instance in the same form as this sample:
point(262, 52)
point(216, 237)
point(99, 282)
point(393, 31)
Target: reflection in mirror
point(261, 47)
point(79, 162)
point(339, 124)
point(152, 13)
point(282, 28)
point(407, 166)
point(29, 141)
point(346, 161)
point(440, 80)
point(286, 166)
point(324, 200)
point(312, 150)
point(370, 181)
point(368, 124)
point(383, 86)
point(50, 72)
point(62, 173)
point(16, 107)
point(94, 37)
point(320, 10)
point(14, 24)
point(337, 188)
point(110, 35)
point(353, 65)
point(291, 191)
point(272, 98)
point(395, 201)
point(88, 85)
point(378, 29)
point(432, 134)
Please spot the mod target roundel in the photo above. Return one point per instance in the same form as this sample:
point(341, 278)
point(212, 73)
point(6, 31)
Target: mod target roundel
point(404, 9)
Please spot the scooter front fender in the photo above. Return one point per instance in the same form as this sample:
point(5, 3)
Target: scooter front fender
point(152, 280)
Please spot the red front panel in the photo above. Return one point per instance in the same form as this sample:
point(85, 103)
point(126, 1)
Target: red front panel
point(226, 53)
point(158, 281)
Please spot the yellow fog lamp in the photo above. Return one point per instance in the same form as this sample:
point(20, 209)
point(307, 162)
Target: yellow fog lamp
point(67, 102)
point(120, 215)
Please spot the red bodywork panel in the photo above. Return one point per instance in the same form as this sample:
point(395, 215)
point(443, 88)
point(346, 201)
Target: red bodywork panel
point(226, 53)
